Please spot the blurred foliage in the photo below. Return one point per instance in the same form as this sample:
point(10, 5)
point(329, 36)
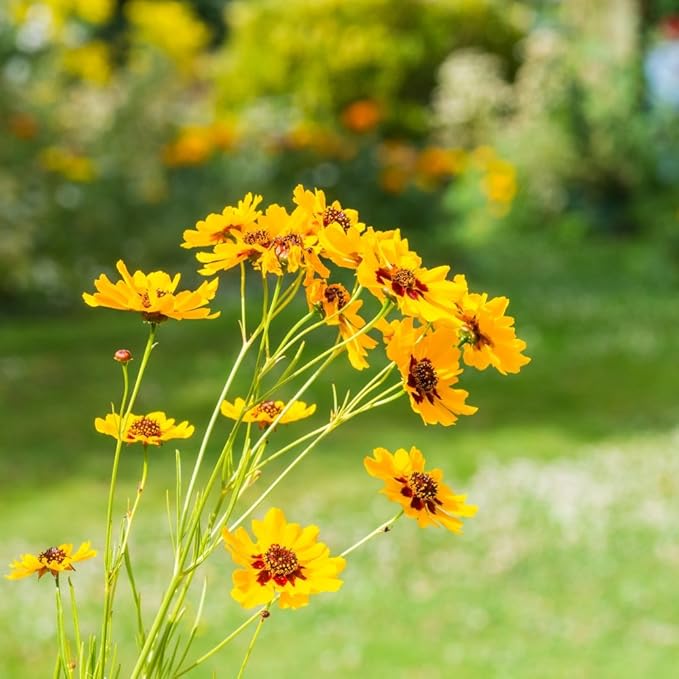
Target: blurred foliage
point(593, 153)
point(124, 122)
point(321, 57)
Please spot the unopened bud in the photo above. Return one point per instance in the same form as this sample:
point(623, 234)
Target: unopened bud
point(122, 356)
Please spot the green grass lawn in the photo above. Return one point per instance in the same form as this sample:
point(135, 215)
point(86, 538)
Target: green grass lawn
point(568, 570)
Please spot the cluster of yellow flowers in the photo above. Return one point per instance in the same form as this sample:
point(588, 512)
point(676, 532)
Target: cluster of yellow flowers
point(438, 326)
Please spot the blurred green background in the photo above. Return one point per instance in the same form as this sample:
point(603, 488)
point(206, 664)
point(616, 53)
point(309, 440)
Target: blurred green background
point(534, 146)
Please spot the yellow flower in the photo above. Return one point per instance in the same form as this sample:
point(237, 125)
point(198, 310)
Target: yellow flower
point(151, 429)
point(169, 25)
point(90, 61)
point(277, 243)
point(390, 268)
point(338, 229)
point(54, 560)
point(75, 167)
point(422, 494)
point(265, 413)
point(153, 295)
point(429, 366)
point(284, 558)
point(318, 214)
point(332, 300)
point(193, 146)
point(217, 228)
point(488, 335)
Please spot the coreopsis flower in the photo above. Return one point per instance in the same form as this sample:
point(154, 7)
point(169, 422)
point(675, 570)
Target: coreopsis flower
point(283, 559)
point(333, 302)
point(319, 215)
point(153, 295)
point(151, 430)
point(54, 560)
point(339, 229)
point(277, 243)
point(390, 269)
point(429, 363)
point(422, 494)
point(488, 336)
point(265, 412)
point(218, 228)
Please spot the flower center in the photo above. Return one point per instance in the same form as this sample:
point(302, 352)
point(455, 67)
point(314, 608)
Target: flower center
point(423, 379)
point(259, 237)
point(421, 488)
point(332, 214)
point(471, 334)
point(268, 408)
point(278, 563)
point(52, 555)
point(336, 293)
point(403, 282)
point(423, 485)
point(144, 427)
point(281, 561)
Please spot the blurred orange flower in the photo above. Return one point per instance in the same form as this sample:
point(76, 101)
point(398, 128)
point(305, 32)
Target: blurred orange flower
point(362, 116)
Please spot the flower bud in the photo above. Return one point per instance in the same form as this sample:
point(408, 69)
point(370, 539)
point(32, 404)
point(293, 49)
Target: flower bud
point(122, 356)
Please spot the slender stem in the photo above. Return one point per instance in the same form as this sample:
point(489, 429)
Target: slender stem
point(222, 643)
point(243, 316)
point(263, 616)
point(131, 512)
point(384, 528)
point(136, 596)
point(215, 414)
point(61, 632)
point(109, 573)
point(76, 626)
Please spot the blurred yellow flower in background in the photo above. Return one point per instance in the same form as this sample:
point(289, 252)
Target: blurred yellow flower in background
point(284, 559)
point(170, 26)
point(70, 165)
point(90, 61)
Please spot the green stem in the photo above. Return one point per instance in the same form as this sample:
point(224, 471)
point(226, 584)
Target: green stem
point(136, 596)
point(213, 419)
point(76, 627)
point(222, 643)
point(384, 528)
point(61, 632)
point(263, 616)
point(109, 573)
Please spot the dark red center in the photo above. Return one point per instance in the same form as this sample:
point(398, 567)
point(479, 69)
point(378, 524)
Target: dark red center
point(403, 282)
point(422, 379)
point(279, 564)
point(52, 555)
point(336, 292)
point(421, 488)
